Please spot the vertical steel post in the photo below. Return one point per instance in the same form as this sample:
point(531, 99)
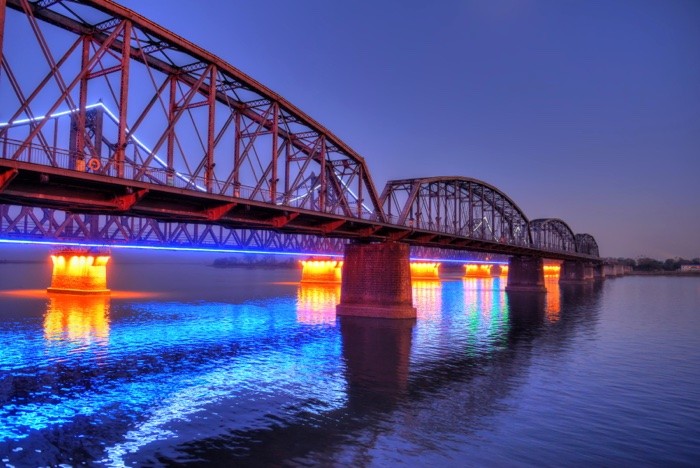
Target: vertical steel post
point(275, 143)
point(323, 189)
point(123, 99)
point(209, 174)
point(287, 162)
point(359, 192)
point(170, 171)
point(82, 103)
point(237, 155)
point(3, 9)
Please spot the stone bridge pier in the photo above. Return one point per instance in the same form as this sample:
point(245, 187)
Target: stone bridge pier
point(526, 274)
point(574, 272)
point(376, 281)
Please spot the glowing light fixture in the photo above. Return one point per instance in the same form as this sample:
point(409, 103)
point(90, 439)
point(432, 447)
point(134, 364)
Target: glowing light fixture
point(79, 272)
point(477, 270)
point(321, 271)
point(425, 270)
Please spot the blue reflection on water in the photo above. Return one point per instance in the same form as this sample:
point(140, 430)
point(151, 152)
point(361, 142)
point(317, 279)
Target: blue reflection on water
point(119, 381)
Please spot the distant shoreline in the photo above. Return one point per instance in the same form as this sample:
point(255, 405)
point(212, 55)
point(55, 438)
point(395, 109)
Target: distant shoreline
point(663, 273)
point(8, 262)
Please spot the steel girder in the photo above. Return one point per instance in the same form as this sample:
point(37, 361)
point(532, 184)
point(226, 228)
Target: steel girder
point(456, 205)
point(552, 234)
point(25, 223)
point(44, 224)
point(203, 124)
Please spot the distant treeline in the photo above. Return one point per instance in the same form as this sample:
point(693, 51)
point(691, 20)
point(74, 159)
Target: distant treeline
point(651, 264)
point(270, 261)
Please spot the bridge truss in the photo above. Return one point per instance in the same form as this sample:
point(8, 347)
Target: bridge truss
point(134, 133)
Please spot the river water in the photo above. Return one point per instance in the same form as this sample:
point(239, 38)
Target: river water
point(186, 363)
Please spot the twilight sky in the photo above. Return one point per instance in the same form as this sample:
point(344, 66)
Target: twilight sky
point(587, 111)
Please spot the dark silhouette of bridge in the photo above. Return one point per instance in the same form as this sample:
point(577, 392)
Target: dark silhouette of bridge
point(115, 121)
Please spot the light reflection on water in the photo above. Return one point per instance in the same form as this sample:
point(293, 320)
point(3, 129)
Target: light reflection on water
point(161, 379)
point(73, 318)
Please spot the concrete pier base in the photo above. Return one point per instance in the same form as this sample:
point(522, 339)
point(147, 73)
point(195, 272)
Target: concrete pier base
point(376, 282)
point(526, 274)
point(576, 272)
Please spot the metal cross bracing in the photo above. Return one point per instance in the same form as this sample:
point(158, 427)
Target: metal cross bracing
point(26, 223)
point(553, 234)
point(457, 205)
point(34, 224)
point(586, 244)
point(106, 113)
point(204, 125)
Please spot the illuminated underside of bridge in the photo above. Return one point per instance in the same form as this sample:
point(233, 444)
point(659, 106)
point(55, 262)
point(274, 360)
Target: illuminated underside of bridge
point(129, 131)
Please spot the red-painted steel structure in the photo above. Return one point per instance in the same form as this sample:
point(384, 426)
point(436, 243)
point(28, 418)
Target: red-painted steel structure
point(106, 113)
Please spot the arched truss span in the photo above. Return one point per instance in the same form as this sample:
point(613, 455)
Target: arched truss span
point(552, 234)
point(103, 75)
point(586, 244)
point(458, 206)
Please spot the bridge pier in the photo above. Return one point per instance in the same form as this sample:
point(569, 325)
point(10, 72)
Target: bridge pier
point(376, 282)
point(526, 274)
point(79, 271)
point(598, 272)
point(573, 272)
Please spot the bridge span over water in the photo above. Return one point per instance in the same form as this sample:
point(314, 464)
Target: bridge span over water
point(109, 120)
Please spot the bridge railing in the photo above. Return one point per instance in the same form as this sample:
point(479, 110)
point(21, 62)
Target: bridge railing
point(62, 159)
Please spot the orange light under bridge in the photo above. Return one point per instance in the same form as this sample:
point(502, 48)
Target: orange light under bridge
point(321, 271)
point(331, 271)
point(79, 272)
point(484, 270)
point(425, 270)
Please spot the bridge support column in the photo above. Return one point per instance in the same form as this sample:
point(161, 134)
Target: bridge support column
point(79, 271)
point(598, 272)
point(376, 282)
point(576, 272)
point(526, 274)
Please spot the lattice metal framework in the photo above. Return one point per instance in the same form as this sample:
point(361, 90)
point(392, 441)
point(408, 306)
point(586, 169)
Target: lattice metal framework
point(586, 244)
point(25, 223)
point(552, 234)
point(45, 224)
point(456, 205)
point(203, 124)
point(106, 113)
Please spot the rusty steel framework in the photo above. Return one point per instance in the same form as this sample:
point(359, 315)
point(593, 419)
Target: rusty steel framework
point(553, 234)
point(208, 126)
point(107, 116)
point(458, 205)
point(26, 223)
point(586, 244)
point(34, 224)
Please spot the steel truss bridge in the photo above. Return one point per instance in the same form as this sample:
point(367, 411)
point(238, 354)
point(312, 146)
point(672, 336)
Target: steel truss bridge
point(115, 130)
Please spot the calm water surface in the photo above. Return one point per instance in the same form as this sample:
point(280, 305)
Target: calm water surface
point(190, 364)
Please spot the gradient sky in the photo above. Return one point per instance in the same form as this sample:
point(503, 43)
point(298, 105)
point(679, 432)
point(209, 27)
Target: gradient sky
point(587, 111)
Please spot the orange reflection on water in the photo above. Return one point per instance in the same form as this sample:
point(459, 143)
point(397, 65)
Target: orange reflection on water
point(77, 318)
point(321, 271)
point(316, 303)
point(427, 298)
point(553, 304)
